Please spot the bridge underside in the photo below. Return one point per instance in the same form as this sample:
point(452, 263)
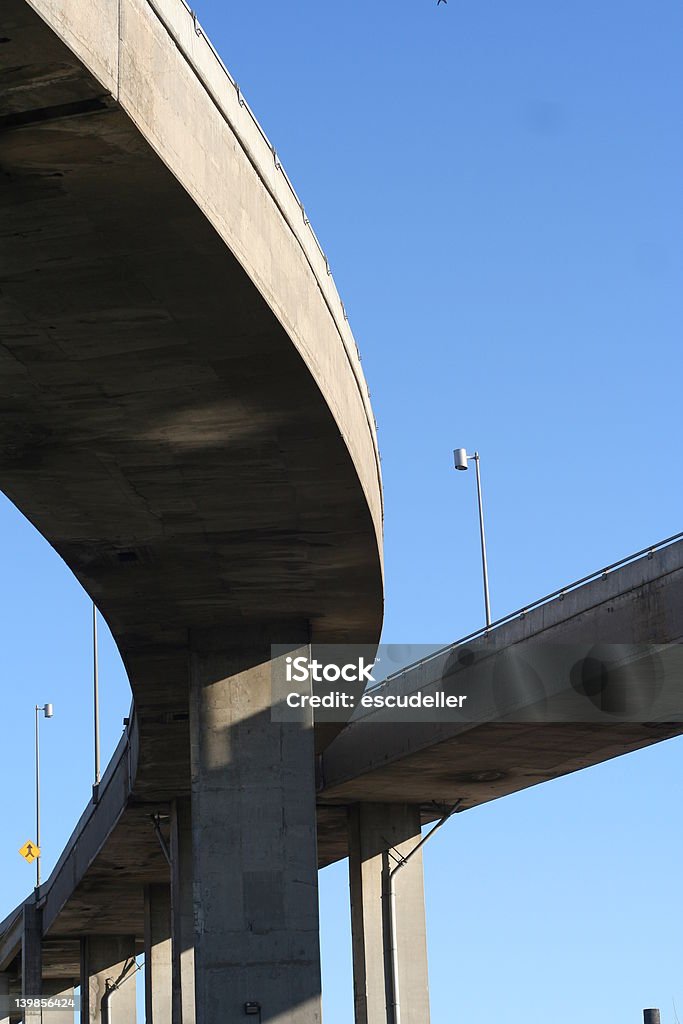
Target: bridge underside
point(375, 776)
point(157, 423)
point(183, 418)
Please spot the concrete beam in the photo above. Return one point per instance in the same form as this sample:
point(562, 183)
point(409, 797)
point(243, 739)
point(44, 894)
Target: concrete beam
point(182, 914)
point(158, 970)
point(15, 991)
point(379, 834)
point(254, 840)
point(108, 979)
point(423, 761)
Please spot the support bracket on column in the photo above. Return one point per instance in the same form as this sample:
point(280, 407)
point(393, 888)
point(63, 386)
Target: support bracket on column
point(112, 986)
point(400, 862)
point(156, 825)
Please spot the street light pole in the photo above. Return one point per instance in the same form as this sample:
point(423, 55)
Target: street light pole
point(484, 565)
point(48, 712)
point(37, 798)
point(460, 460)
point(96, 701)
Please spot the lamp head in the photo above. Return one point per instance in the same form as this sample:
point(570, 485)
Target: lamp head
point(460, 458)
point(48, 710)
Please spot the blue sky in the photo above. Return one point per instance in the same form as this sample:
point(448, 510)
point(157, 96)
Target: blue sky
point(497, 188)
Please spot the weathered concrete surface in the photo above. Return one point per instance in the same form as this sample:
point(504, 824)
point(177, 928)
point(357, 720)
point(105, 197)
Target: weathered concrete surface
point(158, 960)
point(60, 990)
point(11, 939)
point(182, 416)
point(108, 977)
point(32, 960)
point(148, 56)
point(182, 411)
point(641, 603)
point(380, 834)
point(253, 839)
point(4, 994)
point(114, 852)
point(182, 913)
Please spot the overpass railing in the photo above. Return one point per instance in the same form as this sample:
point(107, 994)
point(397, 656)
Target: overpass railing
point(347, 338)
point(243, 103)
point(520, 613)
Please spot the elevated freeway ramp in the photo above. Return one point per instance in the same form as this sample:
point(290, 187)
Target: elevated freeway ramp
point(183, 416)
point(391, 776)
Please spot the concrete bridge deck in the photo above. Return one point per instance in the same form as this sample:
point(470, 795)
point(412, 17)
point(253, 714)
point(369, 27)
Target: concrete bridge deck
point(533, 738)
point(183, 416)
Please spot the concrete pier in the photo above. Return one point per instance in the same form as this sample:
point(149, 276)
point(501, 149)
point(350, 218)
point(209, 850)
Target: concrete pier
point(108, 979)
point(61, 989)
point(32, 960)
point(379, 834)
point(254, 839)
point(182, 914)
point(14, 991)
point(158, 960)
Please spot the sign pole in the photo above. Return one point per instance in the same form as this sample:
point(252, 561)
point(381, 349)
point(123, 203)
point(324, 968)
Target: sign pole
point(37, 799)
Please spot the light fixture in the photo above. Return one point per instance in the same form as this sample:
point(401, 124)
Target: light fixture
point(460, 461)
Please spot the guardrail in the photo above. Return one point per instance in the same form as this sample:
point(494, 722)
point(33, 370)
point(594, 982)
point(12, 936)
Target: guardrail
point(521, 612)
point(243, 103)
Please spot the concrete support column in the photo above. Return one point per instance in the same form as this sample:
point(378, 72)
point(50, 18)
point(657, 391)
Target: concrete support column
point(108, 979)
point(59, 988)
point(182, 914)
point(376, 831)
point(254, 838)
point(15, 992)
point(4, 997)
point(32, 960)
point(158, 954)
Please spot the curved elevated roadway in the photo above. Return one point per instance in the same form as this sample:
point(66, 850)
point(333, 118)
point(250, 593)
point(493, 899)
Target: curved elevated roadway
point(183, 416)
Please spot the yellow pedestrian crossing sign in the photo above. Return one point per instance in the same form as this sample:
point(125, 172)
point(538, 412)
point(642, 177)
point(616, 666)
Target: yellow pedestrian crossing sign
point(30, 851)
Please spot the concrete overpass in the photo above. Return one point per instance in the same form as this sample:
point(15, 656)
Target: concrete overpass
point(378, 782)
point(184, 418)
